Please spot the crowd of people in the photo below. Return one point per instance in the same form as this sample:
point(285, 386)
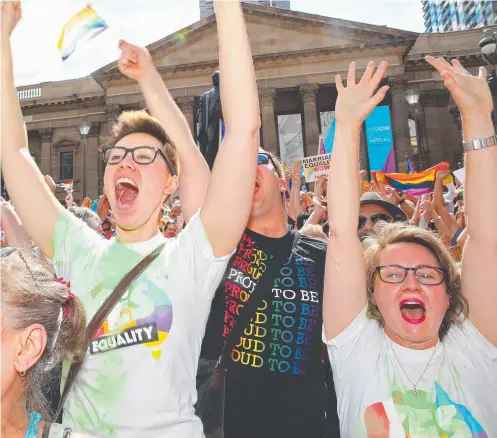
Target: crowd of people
point(378, 323)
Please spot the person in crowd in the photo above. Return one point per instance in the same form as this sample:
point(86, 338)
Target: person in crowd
point(42, 325)
point(13, 232)
point(145, 385)
point(373, 209)
point(170, 229)
point(314, 230)
point(413, 342)
point(275, 383)
point(107, 230)
point(89, 217)
point(175, 209)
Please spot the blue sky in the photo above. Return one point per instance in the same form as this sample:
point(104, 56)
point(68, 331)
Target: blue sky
point(142, 22)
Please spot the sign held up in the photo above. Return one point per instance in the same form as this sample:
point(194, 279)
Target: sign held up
point(316, 166)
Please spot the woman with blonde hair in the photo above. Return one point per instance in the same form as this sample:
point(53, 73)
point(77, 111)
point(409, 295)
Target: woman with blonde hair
point(412, 341)
point(42, 325)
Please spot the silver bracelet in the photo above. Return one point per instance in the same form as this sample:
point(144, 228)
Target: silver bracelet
point(481, 143)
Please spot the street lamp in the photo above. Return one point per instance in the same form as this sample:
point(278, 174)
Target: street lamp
point(84, 130)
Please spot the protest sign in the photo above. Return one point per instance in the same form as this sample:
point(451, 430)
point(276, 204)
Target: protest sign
point(316, 166)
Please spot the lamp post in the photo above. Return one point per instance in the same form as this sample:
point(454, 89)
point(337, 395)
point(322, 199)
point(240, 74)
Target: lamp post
point(84, 130)
point(488, 50)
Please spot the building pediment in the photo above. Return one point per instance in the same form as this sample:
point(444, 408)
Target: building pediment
point(65, 142)
point(272, 32)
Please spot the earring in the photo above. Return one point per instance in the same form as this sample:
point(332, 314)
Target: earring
point(22, 374)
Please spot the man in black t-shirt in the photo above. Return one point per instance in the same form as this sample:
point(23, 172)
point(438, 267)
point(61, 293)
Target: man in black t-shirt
point(275, 384)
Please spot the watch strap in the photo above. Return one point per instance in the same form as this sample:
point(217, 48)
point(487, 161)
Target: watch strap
point(480, 143)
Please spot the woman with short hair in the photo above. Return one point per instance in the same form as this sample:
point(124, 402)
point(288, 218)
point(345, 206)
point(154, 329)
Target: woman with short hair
point(411, 339)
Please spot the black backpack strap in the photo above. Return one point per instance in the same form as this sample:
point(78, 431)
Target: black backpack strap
point(250, 306)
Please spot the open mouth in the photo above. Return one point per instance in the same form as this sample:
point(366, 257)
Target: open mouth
point(413, 310)
point(126, 193)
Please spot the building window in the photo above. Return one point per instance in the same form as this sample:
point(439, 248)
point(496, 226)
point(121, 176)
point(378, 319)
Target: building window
point(291, 139)
point(66, 166)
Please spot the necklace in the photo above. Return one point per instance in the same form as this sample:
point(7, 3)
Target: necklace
point(414, 391)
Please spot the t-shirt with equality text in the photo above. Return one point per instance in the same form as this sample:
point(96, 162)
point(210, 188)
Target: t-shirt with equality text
point(275, 382)
point(456, 395)
point(138, 378)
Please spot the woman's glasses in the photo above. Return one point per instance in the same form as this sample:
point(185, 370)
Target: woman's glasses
point(140, 154)
point(428, 275)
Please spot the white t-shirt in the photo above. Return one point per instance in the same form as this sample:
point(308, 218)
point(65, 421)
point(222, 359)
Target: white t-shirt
point(138, 378)
point(457, 394)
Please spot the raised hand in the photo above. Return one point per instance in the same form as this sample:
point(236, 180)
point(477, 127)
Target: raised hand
point(11, 13)
point(135, 62)
point(356, 101)
point(295, 172)
point(470, 93)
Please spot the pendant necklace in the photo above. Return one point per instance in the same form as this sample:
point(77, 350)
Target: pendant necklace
point(415, 390)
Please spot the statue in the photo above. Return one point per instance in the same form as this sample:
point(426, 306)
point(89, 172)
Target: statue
point(208, 117)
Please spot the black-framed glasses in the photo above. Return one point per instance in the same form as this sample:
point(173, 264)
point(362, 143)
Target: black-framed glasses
point(375, 218)
point(140, 154)
point(263, 158)
point(425, 274)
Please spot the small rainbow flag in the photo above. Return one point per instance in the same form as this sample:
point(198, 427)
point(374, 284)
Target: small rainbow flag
point(414, 184)
point(66, 185)
point(83, 26)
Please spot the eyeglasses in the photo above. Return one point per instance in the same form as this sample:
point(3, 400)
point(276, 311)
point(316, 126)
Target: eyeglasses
point(140, 154)
point(263, 158)
point(428, 275)
point(375, 218)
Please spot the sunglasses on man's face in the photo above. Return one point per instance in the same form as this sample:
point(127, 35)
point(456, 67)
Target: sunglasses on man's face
point(263, 159)
point(375, 218)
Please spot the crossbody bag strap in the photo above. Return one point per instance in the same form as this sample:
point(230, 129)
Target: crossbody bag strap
point(250, 306)
point(102, 313)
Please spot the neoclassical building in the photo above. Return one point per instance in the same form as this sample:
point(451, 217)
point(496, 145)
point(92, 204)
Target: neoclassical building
point(296, 57)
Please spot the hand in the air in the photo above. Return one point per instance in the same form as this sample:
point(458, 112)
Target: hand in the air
point(471, 93)
point(356, 101)
point(135, 62)
point(11, 13)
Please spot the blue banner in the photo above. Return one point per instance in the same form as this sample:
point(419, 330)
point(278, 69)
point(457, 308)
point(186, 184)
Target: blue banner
point(380, 140)
point(330, 138)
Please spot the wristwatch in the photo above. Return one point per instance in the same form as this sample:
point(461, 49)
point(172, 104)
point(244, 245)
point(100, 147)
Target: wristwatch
point(480, 143)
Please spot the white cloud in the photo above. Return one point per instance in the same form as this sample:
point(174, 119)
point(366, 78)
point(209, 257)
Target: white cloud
point(142, 22)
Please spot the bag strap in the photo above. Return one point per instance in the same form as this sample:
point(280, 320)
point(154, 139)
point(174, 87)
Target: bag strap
point(250, 306)
point(102, 313)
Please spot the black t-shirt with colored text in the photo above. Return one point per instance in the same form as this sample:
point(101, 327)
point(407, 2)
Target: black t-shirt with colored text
point(275, 384)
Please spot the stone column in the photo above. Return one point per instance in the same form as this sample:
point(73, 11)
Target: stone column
point(269, 130)
point(93, 158)
point(400, 125)
point(185, 104)
point(112, 112)
point(46, 146)
point(311, 140)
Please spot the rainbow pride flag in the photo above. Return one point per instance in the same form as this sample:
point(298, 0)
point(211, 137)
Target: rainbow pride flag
point(83, 26)
point(66, 185)
point(414, 184)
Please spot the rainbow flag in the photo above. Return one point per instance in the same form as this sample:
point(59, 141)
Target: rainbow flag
point(83, 26)
point(414, 184)
point(66, 185)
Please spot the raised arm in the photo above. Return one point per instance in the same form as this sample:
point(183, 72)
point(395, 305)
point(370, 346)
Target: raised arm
point(233, 177)
point(479, 262)
point(345, 277)
point(34, 203)
point(136, 63)
point(294, 207)
point(12, 226)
